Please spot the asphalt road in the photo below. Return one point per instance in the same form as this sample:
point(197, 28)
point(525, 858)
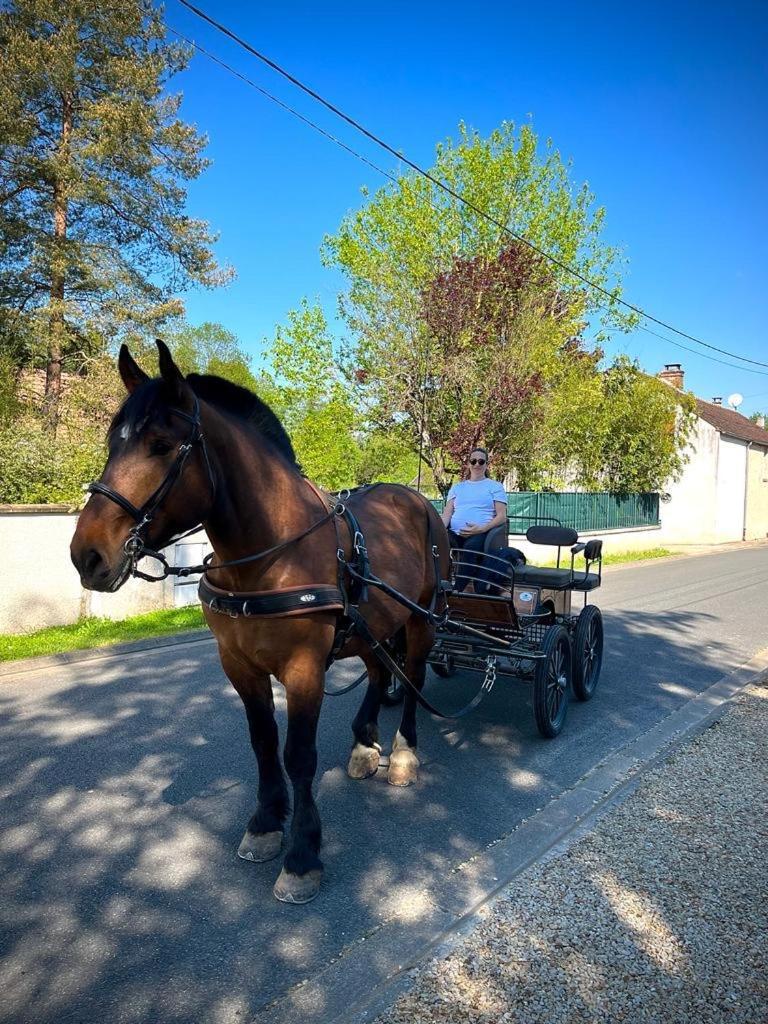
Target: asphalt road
point(127, 781)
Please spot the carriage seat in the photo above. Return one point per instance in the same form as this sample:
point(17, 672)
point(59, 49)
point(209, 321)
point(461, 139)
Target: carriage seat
point(560, 578)
point(534, 576)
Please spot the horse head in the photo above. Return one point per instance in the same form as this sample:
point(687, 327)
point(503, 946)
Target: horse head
point(157, 482)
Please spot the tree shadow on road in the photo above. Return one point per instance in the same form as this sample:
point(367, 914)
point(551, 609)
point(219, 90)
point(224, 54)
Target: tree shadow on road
point(127, 783)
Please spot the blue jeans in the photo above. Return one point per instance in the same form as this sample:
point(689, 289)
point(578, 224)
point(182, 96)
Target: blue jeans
point(470, 545)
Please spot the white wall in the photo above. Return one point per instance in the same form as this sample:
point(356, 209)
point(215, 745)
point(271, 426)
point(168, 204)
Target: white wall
point(731, 483)
point(689, 517)
point(40, 587)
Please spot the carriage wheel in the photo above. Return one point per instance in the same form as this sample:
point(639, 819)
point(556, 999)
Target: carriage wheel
point(587, 652)
point(550, 682)
point(446, 668)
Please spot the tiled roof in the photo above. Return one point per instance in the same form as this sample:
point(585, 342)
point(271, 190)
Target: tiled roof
point(732, 423)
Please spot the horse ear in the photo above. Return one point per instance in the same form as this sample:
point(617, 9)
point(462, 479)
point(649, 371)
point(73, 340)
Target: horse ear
point(169, 371)
point(132, 374)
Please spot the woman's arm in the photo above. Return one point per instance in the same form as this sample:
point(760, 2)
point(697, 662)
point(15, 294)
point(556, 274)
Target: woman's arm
point(499, 519)
point(447, 512)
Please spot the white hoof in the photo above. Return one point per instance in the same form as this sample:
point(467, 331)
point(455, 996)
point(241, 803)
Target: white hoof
point(403, 763)
point(260, 846)
point(363, 761)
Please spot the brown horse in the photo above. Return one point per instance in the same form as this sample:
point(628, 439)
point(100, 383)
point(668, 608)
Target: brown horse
point(184, 451)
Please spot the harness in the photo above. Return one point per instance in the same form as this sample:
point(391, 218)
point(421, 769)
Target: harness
point(354, 576)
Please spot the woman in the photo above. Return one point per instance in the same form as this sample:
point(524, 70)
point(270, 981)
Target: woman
point(475, 505)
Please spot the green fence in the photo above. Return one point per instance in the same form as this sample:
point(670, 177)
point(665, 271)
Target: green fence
point(584, 512)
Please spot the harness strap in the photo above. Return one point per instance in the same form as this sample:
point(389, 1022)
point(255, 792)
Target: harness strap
point(267, 603)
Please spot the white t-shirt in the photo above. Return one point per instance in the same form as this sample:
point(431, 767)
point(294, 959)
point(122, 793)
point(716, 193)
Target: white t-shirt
point(473, 502)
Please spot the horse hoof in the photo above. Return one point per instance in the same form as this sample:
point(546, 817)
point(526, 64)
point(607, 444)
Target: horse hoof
point(260, 846)
point(364, 761)
point(403, 763)
point(297, 888)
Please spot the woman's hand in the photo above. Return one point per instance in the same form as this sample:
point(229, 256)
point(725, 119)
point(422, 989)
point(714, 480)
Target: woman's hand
point(471, 529)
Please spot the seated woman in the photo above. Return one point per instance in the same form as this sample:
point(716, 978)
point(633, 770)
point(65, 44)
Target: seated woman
point(474, 506)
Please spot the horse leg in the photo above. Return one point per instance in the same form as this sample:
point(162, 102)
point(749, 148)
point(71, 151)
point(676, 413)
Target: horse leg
point(264, 834)
point(299, 881)
point(403, 762)
point(364, 759)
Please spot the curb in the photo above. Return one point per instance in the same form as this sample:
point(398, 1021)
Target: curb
point(371, 974)
point(23, 665)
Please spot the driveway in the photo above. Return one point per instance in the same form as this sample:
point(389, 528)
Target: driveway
point(127, 781)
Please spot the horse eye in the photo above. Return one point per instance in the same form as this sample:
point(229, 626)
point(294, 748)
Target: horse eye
point(159, 448)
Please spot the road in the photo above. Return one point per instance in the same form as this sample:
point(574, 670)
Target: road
point(127, 781)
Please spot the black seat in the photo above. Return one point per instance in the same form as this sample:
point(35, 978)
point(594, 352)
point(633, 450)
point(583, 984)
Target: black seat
point(585, 581)
point(534, 576)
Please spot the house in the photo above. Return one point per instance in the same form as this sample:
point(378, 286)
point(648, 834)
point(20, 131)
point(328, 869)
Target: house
point(722, 494)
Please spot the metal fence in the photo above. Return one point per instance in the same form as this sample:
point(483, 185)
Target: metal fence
point(584, 512)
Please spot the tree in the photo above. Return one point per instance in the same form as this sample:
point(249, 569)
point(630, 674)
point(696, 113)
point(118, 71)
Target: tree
point(94, 160)
point(306, 389)
point(210, 348)
point(413, 247)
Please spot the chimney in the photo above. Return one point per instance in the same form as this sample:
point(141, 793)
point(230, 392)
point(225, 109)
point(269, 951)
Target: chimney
point(760, 421)
point(718, 400)
point(673, 375)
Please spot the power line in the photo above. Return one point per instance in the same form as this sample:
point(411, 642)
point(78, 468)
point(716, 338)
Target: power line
point(612, 296)
point(332, 138)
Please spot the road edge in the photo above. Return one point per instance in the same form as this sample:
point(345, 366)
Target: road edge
point(369, 976)
point(43, 661)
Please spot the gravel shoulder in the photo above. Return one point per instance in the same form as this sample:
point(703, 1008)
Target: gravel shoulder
point(660, 913)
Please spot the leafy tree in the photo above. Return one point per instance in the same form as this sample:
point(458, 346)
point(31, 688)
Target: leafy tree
point(94, 160)
point(412, 247)
point(210, 348)
point(307, 390)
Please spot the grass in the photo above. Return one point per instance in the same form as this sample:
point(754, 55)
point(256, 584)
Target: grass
point(610, 558)
point(95, 632)
point(617, 557)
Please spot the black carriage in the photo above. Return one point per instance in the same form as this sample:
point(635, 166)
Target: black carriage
point(519, 620)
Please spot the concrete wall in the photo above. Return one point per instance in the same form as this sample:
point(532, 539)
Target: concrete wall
point(731, 484)
point(39, 586)
point(757, 494)
point(689, 516)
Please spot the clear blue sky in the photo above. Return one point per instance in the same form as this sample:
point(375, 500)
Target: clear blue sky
point(661, 106)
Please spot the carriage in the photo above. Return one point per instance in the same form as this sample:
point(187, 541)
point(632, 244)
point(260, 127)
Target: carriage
point(522, 621)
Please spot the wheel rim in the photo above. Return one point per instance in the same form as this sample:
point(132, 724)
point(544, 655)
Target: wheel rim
point(557, 683)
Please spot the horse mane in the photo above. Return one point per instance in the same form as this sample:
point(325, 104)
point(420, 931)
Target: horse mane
point(246, 406)
point(227, 397)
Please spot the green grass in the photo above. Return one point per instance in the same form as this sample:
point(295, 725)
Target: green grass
point(99, 633)
point(617, 557)
point(611, 557)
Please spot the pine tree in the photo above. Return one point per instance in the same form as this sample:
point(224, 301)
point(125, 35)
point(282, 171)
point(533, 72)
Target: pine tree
point(94, 160)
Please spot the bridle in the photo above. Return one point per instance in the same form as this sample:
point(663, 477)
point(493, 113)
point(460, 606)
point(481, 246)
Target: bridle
point(135, 545)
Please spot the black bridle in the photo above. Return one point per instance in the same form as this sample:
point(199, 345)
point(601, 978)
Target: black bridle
point(135, 544)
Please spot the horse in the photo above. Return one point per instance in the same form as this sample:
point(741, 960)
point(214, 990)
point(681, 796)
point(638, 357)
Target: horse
point(183, 451)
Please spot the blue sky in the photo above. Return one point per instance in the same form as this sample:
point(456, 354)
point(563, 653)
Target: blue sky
point(661, 107)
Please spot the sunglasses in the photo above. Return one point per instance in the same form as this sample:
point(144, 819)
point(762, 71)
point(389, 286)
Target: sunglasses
point(477, 462)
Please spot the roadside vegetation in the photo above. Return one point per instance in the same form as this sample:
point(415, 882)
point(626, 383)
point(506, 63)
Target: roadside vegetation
point(97, 632)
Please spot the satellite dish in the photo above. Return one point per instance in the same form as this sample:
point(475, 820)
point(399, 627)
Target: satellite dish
point(735, 400)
